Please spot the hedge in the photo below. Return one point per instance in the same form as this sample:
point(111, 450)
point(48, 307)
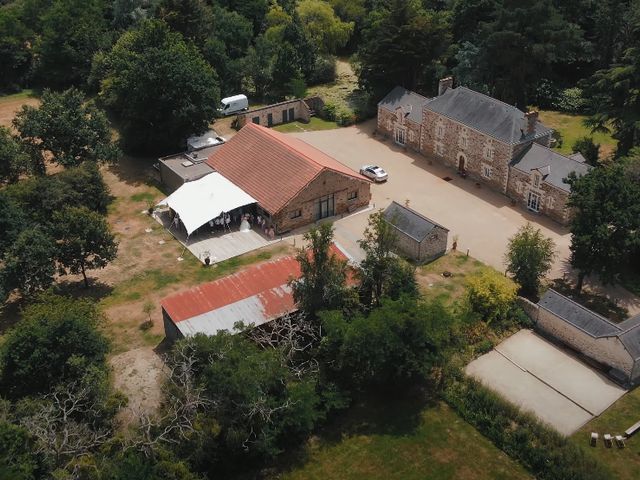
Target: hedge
point(543, 451)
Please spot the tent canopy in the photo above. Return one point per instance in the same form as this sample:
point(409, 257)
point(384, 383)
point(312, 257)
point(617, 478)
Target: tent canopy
point(202, 200)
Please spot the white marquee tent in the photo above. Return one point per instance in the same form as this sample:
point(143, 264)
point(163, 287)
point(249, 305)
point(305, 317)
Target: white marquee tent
point(202, 200)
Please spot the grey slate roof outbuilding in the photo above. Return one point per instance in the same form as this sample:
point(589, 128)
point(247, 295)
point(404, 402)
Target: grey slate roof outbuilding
point(553, 166)
point(485, 114)
point(617, 337)
point(400, 97)
point(418, 237)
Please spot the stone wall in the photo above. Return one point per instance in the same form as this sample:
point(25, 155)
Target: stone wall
point(447, 141)
point(300, 112)
point(326, 183)
point(606, 350)
point(553, 201)
point(432, 247)
point(388, 121)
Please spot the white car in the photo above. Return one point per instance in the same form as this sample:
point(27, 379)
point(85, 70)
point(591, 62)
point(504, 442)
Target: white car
point(374, 172)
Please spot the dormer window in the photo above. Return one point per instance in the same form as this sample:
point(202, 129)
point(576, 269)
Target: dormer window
point(536, 179)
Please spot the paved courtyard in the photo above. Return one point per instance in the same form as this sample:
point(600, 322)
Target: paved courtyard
point(483, 220)
point(545, 380)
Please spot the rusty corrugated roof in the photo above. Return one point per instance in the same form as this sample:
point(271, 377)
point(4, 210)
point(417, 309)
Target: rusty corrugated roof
point(272, 167)
point(254, 295)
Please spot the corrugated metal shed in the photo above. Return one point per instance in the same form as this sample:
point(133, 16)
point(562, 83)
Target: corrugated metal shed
point(254, 295)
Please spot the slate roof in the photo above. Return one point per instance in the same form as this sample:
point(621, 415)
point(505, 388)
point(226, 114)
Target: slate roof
point(401, 97)
point(272, 167)
point(485, 114)
point(409, 221)
point(593, 324)
point(553, 166)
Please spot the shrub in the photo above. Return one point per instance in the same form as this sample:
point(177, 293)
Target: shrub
point(570, 100)
point(324, 70)
point(543, 451)
point(588, 148)
point(484, 346)
point(329, 111)
point(491, 295)
point(557, 139)
point(345, 117)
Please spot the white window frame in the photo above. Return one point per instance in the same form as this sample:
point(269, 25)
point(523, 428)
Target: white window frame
point(487, 171)
point(352, 195)
point(400, 133)
point(532, 205)
point(550, 202)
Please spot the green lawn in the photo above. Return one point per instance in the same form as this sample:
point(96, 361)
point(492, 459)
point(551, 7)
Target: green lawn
point(314, 124)
point(27, 93)
point(572, 127)
point(404, 440)
point(625, 412)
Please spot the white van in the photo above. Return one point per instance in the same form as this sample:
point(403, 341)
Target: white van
point(235, 104)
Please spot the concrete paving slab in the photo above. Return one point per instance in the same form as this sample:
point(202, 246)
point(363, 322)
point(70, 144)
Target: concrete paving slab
point(523, 389)
point(587, 387)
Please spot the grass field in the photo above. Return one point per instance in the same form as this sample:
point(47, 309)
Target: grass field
point(402, 439)
point(624, 463)
point(572, 128)
point(314, 124)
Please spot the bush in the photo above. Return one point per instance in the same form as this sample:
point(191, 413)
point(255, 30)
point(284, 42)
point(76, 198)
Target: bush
point(345, 117)
point(557, 139)
point(570, 100)
point(484, 346)
point(491, 296)
point(588, 148)
point(329, 112)
point(324, 70)
point(543, 451)
point(546, 94)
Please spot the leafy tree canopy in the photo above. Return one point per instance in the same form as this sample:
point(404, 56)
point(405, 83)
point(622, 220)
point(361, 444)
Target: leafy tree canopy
point(55, 342)
point(322, 25)
point(159, 86)
point(14, 159)
point(69, 128)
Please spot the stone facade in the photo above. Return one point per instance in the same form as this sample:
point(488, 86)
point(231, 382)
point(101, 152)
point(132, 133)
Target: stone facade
point(552, 200)
point(389, 123)
point(276, 114)
point(348, 193)
point(432, 247)
point(606, 350)
point(464, 149)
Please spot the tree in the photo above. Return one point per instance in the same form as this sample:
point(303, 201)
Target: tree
point(383, 274)
point(55, 343)
point(491, 296)
point(396, 345)
point(402, 45)
point(29, 263)
point(588, 148)
point(322, 26)
point(12, 222)
point(192, 18)
point(14, 159)
point(15, 55)
point(18, 459)
point(159, 86)
point(322, 284)
point(613, 95)
point(85, 241)
point(529, 257)
point(606, 218)
point(67, 127)
point(72, 31)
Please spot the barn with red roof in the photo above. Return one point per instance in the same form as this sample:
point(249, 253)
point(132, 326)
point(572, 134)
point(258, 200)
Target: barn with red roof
point(294, 184)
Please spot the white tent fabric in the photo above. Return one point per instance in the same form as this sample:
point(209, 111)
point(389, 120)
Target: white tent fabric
point(202, 200)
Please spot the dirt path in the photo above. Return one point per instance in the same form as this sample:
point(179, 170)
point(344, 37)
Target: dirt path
point(9, 108)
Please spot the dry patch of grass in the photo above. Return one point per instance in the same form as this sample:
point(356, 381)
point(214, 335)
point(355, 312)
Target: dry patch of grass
point(10, 104)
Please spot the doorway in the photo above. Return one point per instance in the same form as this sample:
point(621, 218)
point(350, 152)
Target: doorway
point(325, 207)
point(462, 165)
point(533, 202)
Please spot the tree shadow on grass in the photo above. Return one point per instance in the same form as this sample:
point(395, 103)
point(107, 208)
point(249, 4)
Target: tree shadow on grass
point(75, 288)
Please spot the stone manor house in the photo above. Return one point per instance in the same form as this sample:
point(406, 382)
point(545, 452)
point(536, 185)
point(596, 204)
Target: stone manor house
point(488, 140)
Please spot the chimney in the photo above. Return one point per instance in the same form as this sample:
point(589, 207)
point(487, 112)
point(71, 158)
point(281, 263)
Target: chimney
point(531, 120)
point(444, 84)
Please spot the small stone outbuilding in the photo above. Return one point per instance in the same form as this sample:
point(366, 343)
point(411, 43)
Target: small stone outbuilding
point(614, 346)
point(419, 238)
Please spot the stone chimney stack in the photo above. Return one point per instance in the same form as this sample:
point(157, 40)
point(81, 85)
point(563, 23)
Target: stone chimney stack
point(444, 85)
point(531, 119)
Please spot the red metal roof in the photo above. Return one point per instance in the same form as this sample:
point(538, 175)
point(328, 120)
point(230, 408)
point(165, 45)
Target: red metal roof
point(272, 167)
point(256, 294)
